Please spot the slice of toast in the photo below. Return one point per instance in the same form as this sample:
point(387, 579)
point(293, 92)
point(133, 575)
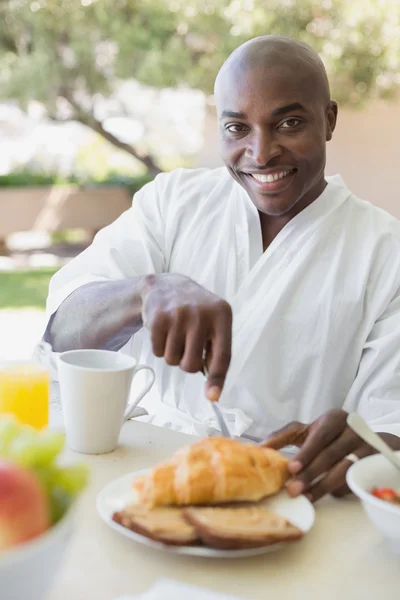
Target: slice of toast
point(161, 524)
point(241, 527)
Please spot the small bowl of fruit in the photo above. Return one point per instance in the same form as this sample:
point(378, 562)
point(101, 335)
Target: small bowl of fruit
point(37, 497)
point(377, 483)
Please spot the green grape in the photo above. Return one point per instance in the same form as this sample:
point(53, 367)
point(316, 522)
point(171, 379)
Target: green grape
point(24, 448)
point(46, 476)
point(32, 448)
point(9, 429)
point(59, 503)
point(28, 430)
point(50, 445)
point(71, 479)
point(59, 500)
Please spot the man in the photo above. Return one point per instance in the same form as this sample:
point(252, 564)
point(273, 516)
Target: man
point(309, 274)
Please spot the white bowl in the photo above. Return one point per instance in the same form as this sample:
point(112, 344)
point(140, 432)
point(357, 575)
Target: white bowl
point(27, 571)
point(362, 477)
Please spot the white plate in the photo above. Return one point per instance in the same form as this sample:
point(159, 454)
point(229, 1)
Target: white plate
point(118, 494)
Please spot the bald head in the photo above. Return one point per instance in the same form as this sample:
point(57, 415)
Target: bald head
point(275, 117)
point(269, 51)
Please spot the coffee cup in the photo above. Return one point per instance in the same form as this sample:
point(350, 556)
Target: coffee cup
point(95, 388)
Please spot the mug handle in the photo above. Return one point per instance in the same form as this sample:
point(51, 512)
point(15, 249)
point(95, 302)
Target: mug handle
point(133, 403)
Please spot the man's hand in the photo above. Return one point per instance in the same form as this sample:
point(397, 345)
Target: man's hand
point(186, 321)
point(320, 466)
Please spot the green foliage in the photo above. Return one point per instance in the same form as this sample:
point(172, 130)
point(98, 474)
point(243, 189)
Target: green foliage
point(26, 178)
point(67, 53)
point(23, 178)
point(25, 289)
point(132, 183)
point(51, 48)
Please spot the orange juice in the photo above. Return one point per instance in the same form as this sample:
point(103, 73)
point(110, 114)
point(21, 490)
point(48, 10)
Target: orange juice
point(24, 392)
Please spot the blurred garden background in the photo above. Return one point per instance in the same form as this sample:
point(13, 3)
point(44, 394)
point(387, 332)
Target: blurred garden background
point(98, 96)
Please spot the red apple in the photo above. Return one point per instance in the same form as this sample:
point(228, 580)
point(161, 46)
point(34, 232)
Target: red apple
point(24, 507)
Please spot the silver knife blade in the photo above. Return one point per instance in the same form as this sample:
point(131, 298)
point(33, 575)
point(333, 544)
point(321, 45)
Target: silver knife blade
point(221, 421)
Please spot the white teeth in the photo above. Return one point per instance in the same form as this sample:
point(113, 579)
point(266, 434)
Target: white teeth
point(270, 178)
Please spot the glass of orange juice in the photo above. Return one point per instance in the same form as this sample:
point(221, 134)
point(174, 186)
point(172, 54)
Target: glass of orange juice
point(25, 391)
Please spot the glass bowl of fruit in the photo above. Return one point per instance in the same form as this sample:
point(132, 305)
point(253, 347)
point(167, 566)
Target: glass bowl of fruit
point(37, 498)
point(377, 483)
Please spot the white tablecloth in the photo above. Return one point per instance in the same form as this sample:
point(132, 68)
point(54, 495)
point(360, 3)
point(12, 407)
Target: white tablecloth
point(169, 589)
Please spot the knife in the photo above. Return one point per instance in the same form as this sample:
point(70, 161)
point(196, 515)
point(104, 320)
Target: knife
point(217, 411)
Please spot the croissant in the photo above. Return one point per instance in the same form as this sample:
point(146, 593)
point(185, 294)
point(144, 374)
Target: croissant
point(213, 471)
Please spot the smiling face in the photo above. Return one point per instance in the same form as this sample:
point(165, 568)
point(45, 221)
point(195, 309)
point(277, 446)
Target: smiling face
point(274, 123)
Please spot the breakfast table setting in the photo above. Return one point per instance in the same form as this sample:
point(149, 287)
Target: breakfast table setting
point(342, 556)
point(105, 542)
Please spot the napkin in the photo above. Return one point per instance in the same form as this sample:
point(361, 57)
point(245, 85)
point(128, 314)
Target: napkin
point(169, 589)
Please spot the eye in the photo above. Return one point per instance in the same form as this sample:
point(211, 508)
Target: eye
point(290, 123)
point(235, 127)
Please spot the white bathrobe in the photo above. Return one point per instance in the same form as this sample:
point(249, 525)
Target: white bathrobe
point(316, 317)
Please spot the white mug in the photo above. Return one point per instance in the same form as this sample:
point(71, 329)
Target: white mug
point(94, 390)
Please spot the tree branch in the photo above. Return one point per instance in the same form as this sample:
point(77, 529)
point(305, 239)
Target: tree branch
point(97, 126)
point(90, 121)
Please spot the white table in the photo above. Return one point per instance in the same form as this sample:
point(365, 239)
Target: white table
point(342, 558)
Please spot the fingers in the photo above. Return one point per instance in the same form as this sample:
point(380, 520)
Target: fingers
point(168, 335)
point(183, 317)
point(192, 360)
point(159, 332)
point(346, 443)
point(334, 481)
point(321, 434)
point(175, 344)
point(320, 466)
point(341, 491)
point(181, 335)
point(293, 434)
point(219, 355)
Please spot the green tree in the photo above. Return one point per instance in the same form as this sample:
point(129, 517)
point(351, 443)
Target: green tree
point(68, 53)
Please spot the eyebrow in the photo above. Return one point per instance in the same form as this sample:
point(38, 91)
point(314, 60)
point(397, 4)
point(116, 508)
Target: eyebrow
point(232, 115)
point(282, 110)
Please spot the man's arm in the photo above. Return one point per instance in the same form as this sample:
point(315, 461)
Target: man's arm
point(184, 320)
point(93, 300)
point(98, 299)
point(97, 315)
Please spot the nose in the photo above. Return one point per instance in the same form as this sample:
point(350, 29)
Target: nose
point(262, 147)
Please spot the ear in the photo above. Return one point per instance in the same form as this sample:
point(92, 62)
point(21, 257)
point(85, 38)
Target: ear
point(331, 117)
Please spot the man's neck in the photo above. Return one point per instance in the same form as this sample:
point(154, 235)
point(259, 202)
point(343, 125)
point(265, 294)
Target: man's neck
point(272, 225)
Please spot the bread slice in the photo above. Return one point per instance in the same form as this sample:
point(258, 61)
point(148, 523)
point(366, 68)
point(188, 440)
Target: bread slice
point(240, 527)
point(161, 524)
